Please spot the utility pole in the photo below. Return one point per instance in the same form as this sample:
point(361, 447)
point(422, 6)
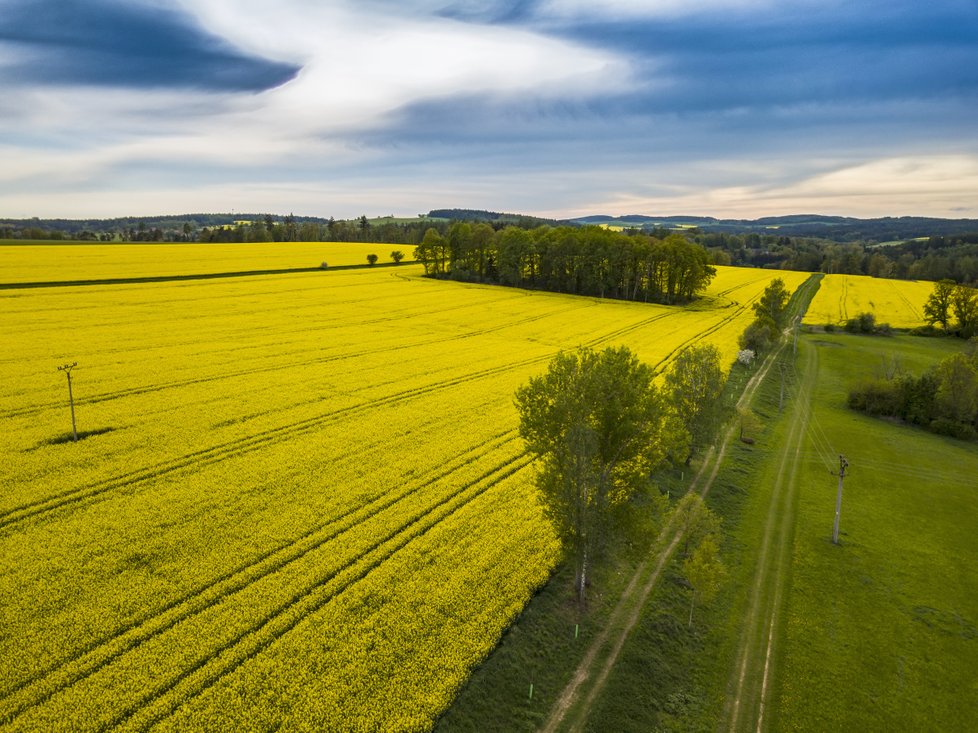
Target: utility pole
point(843, 465)
point(71, 400)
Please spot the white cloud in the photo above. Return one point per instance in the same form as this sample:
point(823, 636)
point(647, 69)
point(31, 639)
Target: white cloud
point(612, 9)
point(893, 186)
point(360, 65)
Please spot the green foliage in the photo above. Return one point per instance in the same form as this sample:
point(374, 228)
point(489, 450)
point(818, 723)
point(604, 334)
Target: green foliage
point(696, 520)
point(964, 305)
point(372, 259)
point(705, 572)
point(694, 384)
point(937, 309)
point(580, 260)
point(866, 323)
point(944, 399)
point(772, 305)
point(600, 428)
point(397, 256)
point(759, 336)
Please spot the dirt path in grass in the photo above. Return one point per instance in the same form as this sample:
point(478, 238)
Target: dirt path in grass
point(570, 711)
point(751, 680)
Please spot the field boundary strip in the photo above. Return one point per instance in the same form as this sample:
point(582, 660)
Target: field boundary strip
point(143, 279)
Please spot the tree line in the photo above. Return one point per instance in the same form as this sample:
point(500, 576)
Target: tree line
point(943, 399)
point(587, 260)
point(953, 257)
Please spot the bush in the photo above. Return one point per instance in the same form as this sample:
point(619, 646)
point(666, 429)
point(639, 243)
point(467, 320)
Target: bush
point(829, 327)
point(758, 336)
point(954, 429)
point(877, 397)
point(862, 323)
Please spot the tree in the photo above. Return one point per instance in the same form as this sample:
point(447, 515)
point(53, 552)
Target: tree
point(372, 259)
point(291, 232)
point(937, 309)
point(397, 256)
point(310, 232)
point(964, 304)
point(430, 252)
point(600, 427)
point(705, 572)
point(957, 391)
point(758, 336)
point(695, 519)
point(694, 385)
point(773, 303)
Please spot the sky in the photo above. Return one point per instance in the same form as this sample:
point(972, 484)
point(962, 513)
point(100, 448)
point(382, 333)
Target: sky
point(562, 108)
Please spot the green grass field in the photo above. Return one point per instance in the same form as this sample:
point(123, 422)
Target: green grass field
point(880, 631)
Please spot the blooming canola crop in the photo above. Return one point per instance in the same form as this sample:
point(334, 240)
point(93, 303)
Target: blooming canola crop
point(897, 302)
point(300, 500)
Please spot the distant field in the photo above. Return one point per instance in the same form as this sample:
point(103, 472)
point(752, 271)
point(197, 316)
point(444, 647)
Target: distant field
point(897, 302)
point(95, 261)
point(301, 499)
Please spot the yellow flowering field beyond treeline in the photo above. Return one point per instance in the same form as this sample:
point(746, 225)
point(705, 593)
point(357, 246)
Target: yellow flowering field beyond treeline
point(23, 263)
point(897, 302)
point(302, 500)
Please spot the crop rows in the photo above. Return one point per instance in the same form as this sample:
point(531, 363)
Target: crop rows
point(897, 302)
point(310, 506)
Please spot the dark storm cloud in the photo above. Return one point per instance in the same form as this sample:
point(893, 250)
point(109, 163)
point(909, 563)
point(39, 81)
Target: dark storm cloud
point(106, 43)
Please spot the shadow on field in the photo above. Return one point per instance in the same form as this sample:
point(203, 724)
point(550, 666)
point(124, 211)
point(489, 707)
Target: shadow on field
point(69, 438)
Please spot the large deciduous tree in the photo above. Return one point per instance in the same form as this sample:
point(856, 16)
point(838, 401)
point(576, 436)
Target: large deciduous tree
point(937, 309)
point(600, 427)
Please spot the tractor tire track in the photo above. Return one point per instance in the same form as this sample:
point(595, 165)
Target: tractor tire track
point(42, 686)
point(748, 690)
point(249, 643)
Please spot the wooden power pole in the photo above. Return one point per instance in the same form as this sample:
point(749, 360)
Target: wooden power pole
point(843, 465)
point(71, 400)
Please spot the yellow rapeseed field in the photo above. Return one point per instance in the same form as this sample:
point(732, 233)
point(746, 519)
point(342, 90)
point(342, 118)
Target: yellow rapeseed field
point(301, 500)
point(20, 263)
point(897, 302)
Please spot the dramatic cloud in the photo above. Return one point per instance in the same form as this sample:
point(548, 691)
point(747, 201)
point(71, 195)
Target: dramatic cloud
point(727, 107)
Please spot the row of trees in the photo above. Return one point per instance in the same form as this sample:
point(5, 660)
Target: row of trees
point(602, 428)
point(587, 260)
point(943, 399)
point(954, 257)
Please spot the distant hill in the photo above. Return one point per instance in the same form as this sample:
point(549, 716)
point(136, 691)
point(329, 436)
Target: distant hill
point(491, 216)
point(837, 228)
